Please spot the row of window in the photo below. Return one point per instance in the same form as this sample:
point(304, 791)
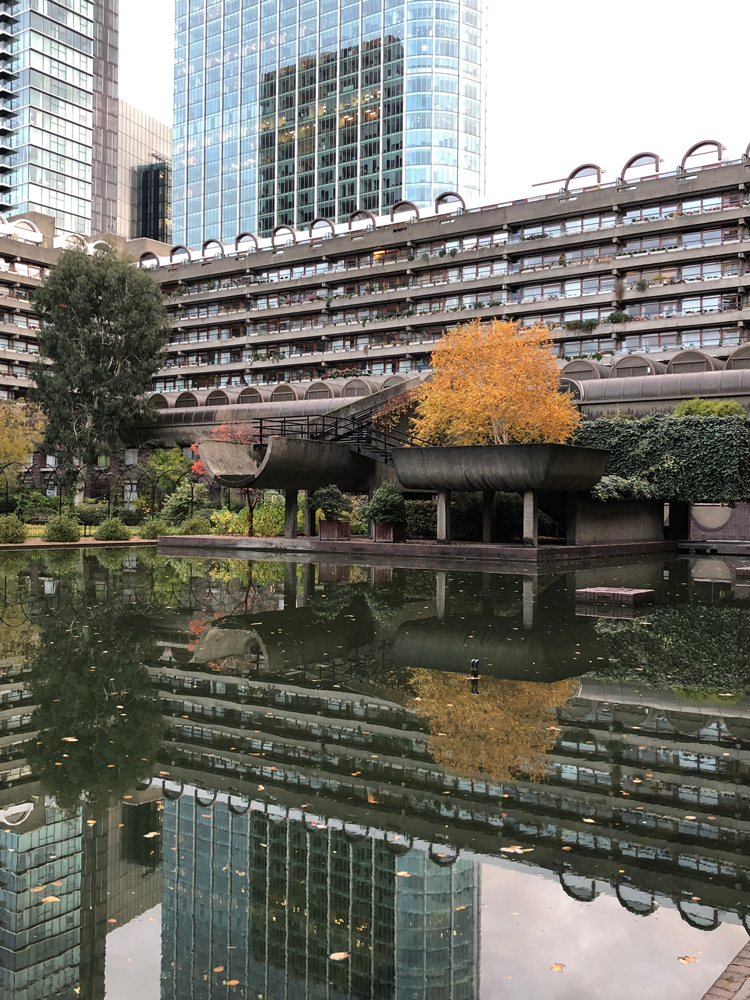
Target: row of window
point(216, 380)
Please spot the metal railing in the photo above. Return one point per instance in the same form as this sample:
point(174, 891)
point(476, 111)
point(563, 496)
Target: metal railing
point(358, 432)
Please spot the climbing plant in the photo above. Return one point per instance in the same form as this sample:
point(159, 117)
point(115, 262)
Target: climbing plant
point(699, 459)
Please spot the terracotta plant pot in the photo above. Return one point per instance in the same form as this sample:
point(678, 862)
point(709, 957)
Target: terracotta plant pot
point(334, 531)
point(393, 531)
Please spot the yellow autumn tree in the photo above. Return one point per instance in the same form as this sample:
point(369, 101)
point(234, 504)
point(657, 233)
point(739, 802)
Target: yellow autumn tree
point(504, 731)
point(21, 428)
point(494, 383)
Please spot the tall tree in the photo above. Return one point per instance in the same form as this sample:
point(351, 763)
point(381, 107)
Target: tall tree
point(21, 428)
point(494, 383)
point(103, 328)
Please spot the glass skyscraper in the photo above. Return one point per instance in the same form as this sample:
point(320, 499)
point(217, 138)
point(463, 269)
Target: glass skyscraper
point(287, 111)
point(58, 99)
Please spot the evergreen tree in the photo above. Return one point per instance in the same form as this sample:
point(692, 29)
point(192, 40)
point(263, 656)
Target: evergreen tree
point(103, 329)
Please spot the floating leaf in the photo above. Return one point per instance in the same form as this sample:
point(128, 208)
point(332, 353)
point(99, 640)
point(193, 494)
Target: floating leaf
point(231, 982)
point(339, 956)
point(112, 920)
point(219, 968)
point(567, 848)
point(587, 820)
point(39, 888)
point(404, 874)
point(51, 899)
point(558, 967)
point(154, 833)
point(70, 739)
point(686, 959)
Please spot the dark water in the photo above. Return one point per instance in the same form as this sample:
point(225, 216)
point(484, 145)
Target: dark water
point(279, 782)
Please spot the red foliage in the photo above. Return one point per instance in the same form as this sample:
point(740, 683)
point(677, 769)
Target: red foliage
point(232, 433)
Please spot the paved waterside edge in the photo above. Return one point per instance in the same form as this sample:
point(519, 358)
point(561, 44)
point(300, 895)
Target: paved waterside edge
point(734, 982)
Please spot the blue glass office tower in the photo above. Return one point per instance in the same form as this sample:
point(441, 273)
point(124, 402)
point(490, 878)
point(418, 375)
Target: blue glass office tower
point(291, 110)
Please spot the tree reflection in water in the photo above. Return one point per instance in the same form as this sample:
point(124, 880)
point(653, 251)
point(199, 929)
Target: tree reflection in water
point(504, 732)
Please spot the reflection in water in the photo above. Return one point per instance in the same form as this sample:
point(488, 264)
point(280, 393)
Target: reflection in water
point(301, 762)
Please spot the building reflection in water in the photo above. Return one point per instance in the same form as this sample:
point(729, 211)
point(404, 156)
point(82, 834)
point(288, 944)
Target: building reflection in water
point(267, 896)
point(304, 811)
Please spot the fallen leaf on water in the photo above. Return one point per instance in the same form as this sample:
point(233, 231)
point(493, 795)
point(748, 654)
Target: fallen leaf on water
point(219, 968)
point(695, 899)
point(567, 848)
point(691, 817)
point(587, 820)
point(404, 874)
point(558, 967)
point(91, 822)
point(261, 788)
point(231, 982)
point(51, 899)
point(513, 850)
point(127, 796)
point(111, 920)
point(70, 739)
point(339, 956)
point(154, 833)
point(685, 959)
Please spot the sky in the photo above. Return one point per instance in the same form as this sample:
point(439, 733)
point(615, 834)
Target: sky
point(567, 83)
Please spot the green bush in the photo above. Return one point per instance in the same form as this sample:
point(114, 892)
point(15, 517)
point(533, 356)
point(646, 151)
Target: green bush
point(331, 501)
point(31, 505)
point(153, 527)
point(92, 512)
point(12, 530)
point(131, 516)
point(698, 459)
point(184, 502)
point(617, 488)
point(112, 530)
point(387, 505)
point(709, 408)
point(195, 526)
point(62, 529)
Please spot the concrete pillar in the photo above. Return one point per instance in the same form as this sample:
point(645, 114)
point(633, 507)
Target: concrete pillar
point(309, 521)
point(290, 513)
point(444, 516)
point(529, 600)
point(290, 584)
point(308, 583)
point(488, 520)
point(442, 594)
point(530, 519)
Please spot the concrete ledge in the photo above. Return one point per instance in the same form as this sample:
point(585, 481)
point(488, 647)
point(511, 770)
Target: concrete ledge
point(409, 554)
point(734, 982)
point(84, 543)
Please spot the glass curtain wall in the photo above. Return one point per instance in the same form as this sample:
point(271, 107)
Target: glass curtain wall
point(292, 110)
point(53, 49)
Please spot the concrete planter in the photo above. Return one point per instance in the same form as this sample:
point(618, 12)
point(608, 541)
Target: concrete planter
point(334, 531)
point(392, 531)
point(506, 467)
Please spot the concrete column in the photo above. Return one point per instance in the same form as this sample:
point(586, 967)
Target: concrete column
point(488, 521)
point(442, 594)
point(290, 584)
point(444, 516)
point(309, 521)
point(530, 519)
point(290, 513)
point(529, 600)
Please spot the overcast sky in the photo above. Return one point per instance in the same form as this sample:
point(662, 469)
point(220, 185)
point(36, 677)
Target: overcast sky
point(568, 83)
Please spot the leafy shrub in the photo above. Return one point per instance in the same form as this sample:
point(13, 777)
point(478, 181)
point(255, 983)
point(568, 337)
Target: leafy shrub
point(709, 408)
point(698, 459)
point(112, 530)
point(153, 527)
point(331, 501)
point(226, 522)
point(33, 506)
point(12, 530)
point(195, 526)
point(92, 512)
point(618, 316)
point(130, 516)
point(618, 488)
point(359, 524)
point(387, 504)
point(62, 529)
point(186, 499)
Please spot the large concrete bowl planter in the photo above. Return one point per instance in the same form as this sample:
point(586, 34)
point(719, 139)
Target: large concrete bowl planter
point(505, 467)
point(391, 531)
point(334, 531)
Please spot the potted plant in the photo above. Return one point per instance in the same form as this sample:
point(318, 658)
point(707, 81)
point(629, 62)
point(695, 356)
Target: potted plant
point(387, 511)
point(334, 505)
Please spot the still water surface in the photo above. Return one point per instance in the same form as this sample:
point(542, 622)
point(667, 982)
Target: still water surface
point(222, 779)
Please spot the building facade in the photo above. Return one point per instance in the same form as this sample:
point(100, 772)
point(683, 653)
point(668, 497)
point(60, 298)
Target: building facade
point(59, 79)
point(648, 267)
point(144, 176)
point(288, 111)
